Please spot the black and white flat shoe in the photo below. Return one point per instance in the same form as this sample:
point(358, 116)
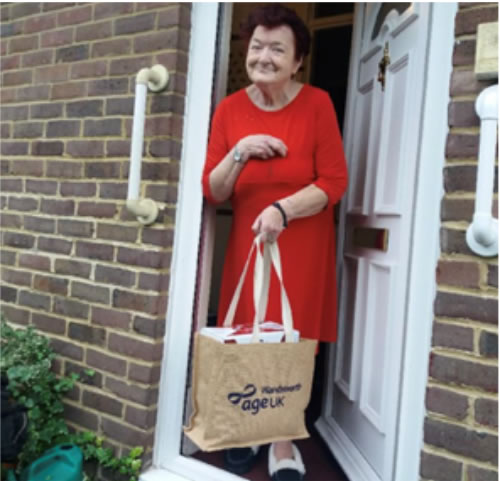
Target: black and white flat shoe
point(286, 469)
point(240, 460)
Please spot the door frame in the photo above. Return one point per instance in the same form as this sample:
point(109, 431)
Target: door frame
point(168, 463)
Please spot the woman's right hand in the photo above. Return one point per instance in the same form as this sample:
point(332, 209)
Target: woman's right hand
point(261, 146)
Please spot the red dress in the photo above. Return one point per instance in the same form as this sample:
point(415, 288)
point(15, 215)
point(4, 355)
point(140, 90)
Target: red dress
point(308, 127)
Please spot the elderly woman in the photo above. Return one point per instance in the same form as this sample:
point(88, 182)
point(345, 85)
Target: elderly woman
point(275, 151)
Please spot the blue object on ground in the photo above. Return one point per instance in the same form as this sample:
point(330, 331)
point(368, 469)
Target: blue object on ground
point(61, 463)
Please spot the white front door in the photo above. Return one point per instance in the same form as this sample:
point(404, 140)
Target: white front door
point(360, 412)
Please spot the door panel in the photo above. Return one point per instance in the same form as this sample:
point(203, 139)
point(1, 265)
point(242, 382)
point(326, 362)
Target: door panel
point(362, 406)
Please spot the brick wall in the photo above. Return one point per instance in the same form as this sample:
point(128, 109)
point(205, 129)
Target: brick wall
point(75, 263)
point(460, 429)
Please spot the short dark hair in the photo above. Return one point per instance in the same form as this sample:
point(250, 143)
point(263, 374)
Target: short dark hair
point(275, 15)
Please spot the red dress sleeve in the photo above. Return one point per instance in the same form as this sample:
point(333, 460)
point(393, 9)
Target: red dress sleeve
point(216, 151)
point(329, 160)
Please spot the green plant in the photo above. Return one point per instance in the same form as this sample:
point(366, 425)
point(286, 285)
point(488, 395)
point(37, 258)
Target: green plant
point(26, 358)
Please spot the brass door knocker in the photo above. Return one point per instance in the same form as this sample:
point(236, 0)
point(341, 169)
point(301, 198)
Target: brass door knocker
point(382, 66)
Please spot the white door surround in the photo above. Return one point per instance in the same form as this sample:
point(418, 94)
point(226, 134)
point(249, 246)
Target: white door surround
point(168, 464)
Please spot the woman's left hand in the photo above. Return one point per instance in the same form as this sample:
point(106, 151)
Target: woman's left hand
point(269, 223)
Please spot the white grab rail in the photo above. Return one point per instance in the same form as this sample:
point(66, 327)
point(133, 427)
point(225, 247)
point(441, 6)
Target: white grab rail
point(482, 234)
point(156, 79)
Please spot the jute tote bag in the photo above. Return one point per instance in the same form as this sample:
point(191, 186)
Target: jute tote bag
point(249, 394)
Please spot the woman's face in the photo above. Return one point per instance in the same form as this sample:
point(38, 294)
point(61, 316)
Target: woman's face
point(271, 56)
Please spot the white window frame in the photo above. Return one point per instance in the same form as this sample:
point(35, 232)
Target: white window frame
point(168, 463)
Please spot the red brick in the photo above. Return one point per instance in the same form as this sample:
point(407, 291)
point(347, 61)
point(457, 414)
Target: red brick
point(5, 131)
point(102, 403)
point(90, 292)
point(67, 349)
point(14, 112)
point(458, 273)
point(7, 257)
point(23, 9)
point(103, 10)
point(488, 344)
point(16, 239)
point(46, 187)
point(50, 284)
point(38, 92)
point(84, 108)
point(14, 148)
point(53, 244)
point(82, 417)
point(123, 434)
point(467, 21)
point(486, 412)
point(134, 24)
point(108, 86)
point(84, 377)
point(34, 261)
point(16, 315)
point(39, 224)
point(19, 278)
point(154, 282)
point(74, 53)
point(439, 468)
point(132, 392)
point(75, 228)
point(93, 31)
point(457, 209)
point(58, 207)
point(40, 57)
point(86, 333)
point(459, 440)
point(110, 317)
point(28, 130)
point(113, 190)
point(52, 74)
point(57, 38)
point(85, 148)
point(154, 328)
point(78, 189)
point(145, 374)
point(8, 294)
point(49, 7)
point(467, 373)
point(36, 301)
point(97, 209)
point(159, 237)
point(453, 241)
point(142, 418)
point(52, 324)
point(102, 127)
point(475, 473)
point(23, 204)
point(10, 220)
point(179, 15)
point(75, 15)
point(106, 363)
point(63, 128)
point(464, 82)
point(47, 148)
point(10, 62)
point(8, 95)
point(68, 90)
point(118, 148)
point(445, 402)
point(159, 171)
point(117, 232)
point(115, 276)
point(136, 302)
point(102, 170)
point(91, 250)
point(129, 66)
point(462, 114)
point(64, 169)
point(11, 185)
point(138, 257)
point(72, 268)
point(134, 347)
point(88, 69)
point(477, 308)
point(111, 48)
point(23, 44)
point(163, 40)
point(71, 308)
point(39, 23)
point(19, 77)
point(493, 275)
point(464, 52)
point(175, 61)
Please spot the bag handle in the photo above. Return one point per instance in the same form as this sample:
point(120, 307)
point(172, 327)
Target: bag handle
point(261, 288)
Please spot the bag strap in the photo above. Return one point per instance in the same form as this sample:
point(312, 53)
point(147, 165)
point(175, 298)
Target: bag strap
point(261, 288)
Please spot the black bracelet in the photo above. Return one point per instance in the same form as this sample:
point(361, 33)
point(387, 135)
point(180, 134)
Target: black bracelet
point(283, 213)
